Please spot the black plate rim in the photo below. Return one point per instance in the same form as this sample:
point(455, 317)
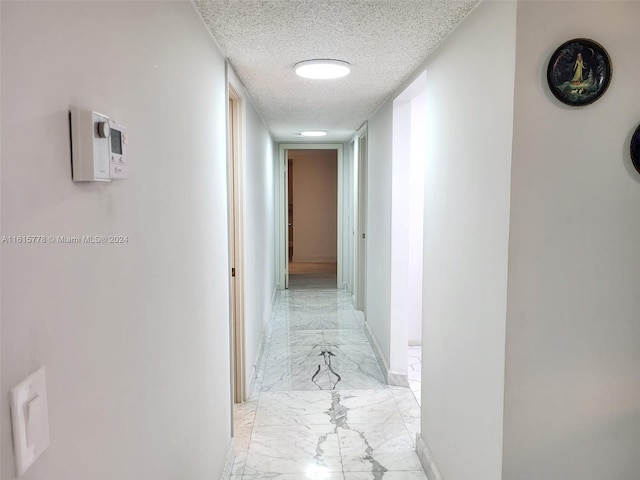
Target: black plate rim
point(555, 91)
point(635, 159)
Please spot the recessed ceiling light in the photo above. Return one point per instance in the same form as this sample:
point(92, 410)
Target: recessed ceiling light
point(313, 133)
point(323, 69)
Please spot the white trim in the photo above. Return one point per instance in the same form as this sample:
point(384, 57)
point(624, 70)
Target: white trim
point(392, 378)
point(428, 465)
point(229, 253)
point(360, 169)
point(236, 163)
point(263, 339)
point(229, 460)
point(398, 379)
point(282, 207)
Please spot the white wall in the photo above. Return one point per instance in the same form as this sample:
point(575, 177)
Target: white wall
point(573, 349)
point(315, 203)
point(2, 418)
point(134, 337)
point(378, 248)
point(259, 226)
point(400, 220)
point(470, 83)
point(416, 209)
point(407, 222)
point(348, 218)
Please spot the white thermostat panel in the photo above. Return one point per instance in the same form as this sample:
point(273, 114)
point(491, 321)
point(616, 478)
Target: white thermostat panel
point(98, 147)
point(118, 160)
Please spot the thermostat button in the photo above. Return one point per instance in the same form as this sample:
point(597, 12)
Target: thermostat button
point(103, 129)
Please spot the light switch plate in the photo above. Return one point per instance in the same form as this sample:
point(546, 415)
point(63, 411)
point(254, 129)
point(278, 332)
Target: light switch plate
point(29, 419)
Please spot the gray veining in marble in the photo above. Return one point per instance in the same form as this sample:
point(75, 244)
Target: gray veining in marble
point(321, 408)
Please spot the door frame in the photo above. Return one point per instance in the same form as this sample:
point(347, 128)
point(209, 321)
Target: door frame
point(283, 247)
point(360, 222)
point(235, 152)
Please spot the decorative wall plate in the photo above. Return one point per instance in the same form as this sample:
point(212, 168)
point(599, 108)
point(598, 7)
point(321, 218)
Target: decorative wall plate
point(635, 149)
point(579, 72)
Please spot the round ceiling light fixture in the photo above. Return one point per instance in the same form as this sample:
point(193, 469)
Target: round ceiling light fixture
point(313, 133)
point(322, 69)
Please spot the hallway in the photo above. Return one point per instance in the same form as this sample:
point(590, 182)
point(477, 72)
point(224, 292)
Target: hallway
point(320, 408)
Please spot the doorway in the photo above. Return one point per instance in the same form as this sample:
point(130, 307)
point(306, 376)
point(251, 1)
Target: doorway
point(236, 285)
point(301, 232)
point(407, 225)
point(312, 218)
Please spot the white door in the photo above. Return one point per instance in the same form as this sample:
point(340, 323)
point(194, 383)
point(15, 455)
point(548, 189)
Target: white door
point(287, 219)
point(361, 238)
point(236, 291)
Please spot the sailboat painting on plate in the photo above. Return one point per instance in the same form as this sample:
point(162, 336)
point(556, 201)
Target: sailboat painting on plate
point(579, 72)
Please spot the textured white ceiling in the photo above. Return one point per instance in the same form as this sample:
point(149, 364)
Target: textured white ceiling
point(384, 40)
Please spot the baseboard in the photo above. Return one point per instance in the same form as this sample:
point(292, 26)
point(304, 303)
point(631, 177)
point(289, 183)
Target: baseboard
point(376, 349)
point(254, 367)
point(228, 462)
point(397, 379)
point(263, 338)
point(392, 378)
point(428, 465)
point(274, 294)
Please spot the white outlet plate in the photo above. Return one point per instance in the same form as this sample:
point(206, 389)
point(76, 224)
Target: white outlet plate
point(29, 419)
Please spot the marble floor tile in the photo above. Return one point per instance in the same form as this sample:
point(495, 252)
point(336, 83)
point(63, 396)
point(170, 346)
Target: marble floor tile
point(406, 402)
point(368, 406)
point(341, 321)
point(243, 420)
point(377, 447)
point(355, 357)
point(413, 428)
point(321, 408)
point(310, 475)
point(360, 381)
point(345, 337)
point(312, 322)
point(416, 388)
point(358, 367)
point(244, 414)
point(295, 377)
point(415, 375)
point(294, 408)
point(241, 438)
point(415, 370)
point(285, 354)
point(293, 449)
point(297, 338)
point(387, 476)
point(238, 464)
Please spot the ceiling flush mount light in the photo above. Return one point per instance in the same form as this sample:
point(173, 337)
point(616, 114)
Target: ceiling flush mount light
point(313, 133)
point(323, 69)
